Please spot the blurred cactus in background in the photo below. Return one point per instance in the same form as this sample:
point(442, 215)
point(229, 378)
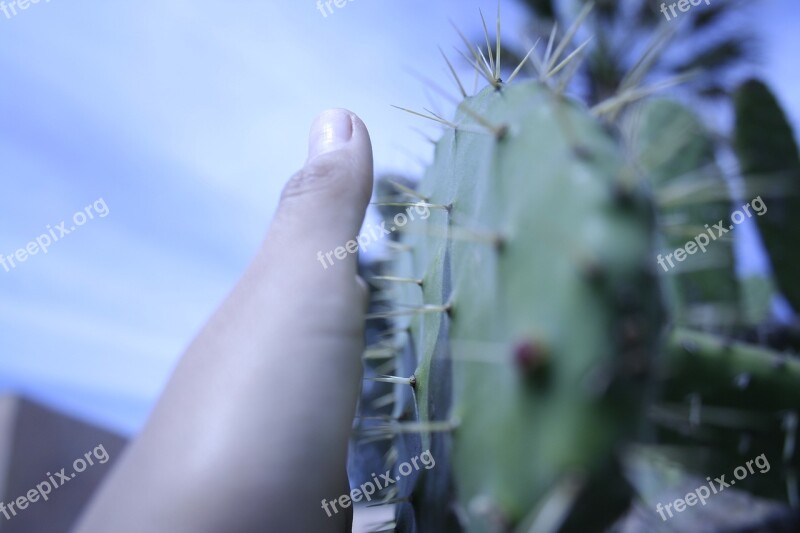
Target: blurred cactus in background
point(710, 43)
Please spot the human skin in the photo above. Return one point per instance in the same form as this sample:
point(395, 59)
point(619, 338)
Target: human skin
point(251, 432)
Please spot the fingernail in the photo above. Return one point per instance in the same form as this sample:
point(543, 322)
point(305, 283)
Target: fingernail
point(330, 131)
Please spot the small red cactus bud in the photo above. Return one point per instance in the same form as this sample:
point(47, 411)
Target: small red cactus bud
point(532, 359)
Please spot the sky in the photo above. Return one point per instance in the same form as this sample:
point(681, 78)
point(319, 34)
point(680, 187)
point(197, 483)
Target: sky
point(184, 119)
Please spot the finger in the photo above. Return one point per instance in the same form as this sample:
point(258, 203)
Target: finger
point(322, 206)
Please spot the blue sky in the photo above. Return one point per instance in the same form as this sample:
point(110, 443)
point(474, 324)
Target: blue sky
point(186, 118)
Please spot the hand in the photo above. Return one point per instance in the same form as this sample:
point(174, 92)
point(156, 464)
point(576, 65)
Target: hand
point(251, 431)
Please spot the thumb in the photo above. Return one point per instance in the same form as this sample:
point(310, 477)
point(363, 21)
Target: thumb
point(322, 206)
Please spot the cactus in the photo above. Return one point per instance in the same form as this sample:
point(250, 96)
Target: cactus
point(555, 328)
point(530, 339)
point(676, 155)
point(767, 150)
